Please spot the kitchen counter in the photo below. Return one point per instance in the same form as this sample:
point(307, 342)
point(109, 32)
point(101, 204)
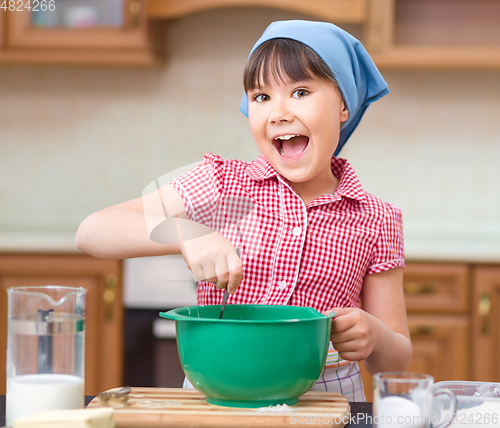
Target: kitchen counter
point(38, 242)
point(444, 248)
point(452, 249)
point(360, 412)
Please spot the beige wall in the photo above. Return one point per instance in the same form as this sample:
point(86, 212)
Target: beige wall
point(73, 140)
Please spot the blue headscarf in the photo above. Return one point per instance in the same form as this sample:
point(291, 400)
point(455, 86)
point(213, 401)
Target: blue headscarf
point(358, 78)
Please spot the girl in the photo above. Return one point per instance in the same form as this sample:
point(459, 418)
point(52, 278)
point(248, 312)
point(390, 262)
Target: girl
point(306, 232)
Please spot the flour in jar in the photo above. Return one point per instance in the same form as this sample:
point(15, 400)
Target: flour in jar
point(398, 412)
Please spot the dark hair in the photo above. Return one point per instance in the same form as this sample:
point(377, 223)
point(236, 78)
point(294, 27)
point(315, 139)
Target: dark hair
point(284, 58)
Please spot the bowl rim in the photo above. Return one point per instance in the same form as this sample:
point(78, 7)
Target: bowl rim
point(175, 315)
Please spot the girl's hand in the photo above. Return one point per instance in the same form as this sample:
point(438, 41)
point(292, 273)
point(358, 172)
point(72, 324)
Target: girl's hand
point(213, 258)
point(378, 334)
point(354, 333)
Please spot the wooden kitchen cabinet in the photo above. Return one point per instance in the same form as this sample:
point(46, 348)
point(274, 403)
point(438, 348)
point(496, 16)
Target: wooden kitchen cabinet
point(351, 11)
point(486, 324)
point(399, 34)
point(437, 304)
point(436, 287)
point(440, 345)
point(56, 40)
point(434, 34)
point(104, 311)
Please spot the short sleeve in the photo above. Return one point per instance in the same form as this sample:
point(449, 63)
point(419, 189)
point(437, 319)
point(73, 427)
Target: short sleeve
point(201, 189)
point(388, 252)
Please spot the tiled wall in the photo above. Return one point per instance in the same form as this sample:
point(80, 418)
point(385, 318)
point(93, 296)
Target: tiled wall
point(74, 140)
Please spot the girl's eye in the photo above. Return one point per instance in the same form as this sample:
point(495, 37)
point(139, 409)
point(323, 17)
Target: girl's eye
point(261, 98)
point(300, 93)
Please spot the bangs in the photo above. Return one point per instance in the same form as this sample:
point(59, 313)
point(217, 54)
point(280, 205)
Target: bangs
point(281, 60)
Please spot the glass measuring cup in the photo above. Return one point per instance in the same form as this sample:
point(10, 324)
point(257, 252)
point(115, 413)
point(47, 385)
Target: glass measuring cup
point(405, 400)
point(45, 350)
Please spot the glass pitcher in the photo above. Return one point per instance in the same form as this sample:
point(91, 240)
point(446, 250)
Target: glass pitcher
point(45, 350)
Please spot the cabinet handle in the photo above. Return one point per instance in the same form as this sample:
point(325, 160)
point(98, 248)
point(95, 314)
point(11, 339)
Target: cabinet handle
point(483, 309)
point(109, 296)
point(422, 329)
point(135, 12)
point(419, 287)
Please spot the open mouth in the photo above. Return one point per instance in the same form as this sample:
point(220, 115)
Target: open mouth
point(291, 145)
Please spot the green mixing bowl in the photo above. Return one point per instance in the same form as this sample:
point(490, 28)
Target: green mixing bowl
point(256, 356)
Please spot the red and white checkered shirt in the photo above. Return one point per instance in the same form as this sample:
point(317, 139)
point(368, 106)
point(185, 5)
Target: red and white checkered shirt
point(312, 255)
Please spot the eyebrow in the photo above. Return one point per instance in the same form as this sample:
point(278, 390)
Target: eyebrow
point(289, 81)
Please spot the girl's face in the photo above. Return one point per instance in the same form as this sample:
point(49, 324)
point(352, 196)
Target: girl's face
point(296, 126)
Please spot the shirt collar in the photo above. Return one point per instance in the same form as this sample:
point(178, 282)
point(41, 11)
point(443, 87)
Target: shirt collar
point(349, 185)
point(261, 169)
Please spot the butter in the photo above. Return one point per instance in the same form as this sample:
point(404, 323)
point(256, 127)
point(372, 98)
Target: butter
point(78, 418)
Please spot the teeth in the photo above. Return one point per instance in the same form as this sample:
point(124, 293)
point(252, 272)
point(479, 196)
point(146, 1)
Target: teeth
point(281, 149)
point(285, 137)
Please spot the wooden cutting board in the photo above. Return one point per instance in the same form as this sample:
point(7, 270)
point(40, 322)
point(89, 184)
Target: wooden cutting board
point(177, 407)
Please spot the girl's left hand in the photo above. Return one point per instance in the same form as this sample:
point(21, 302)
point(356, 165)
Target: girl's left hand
point(353, 333)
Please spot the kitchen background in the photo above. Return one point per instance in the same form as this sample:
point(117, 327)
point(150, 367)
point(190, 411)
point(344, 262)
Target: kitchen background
point(75, 139)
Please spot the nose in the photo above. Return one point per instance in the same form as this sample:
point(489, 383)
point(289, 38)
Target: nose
point(280, 113)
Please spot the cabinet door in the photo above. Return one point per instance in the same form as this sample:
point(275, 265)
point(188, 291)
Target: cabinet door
point(430, 287)
point(440, 346)
point(77, 31)
point(486, 324)
point(70, 24)
point(434, 34)
point(104, 312)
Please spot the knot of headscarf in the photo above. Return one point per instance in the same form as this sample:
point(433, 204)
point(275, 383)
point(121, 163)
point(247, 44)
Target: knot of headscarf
point(358, 78)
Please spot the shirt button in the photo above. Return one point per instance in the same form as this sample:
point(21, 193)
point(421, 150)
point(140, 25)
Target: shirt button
point(282, 285)
point(297, 231)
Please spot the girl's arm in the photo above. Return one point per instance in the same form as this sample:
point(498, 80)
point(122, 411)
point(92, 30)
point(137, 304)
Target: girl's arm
point(123, 231)
point(379, 333)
